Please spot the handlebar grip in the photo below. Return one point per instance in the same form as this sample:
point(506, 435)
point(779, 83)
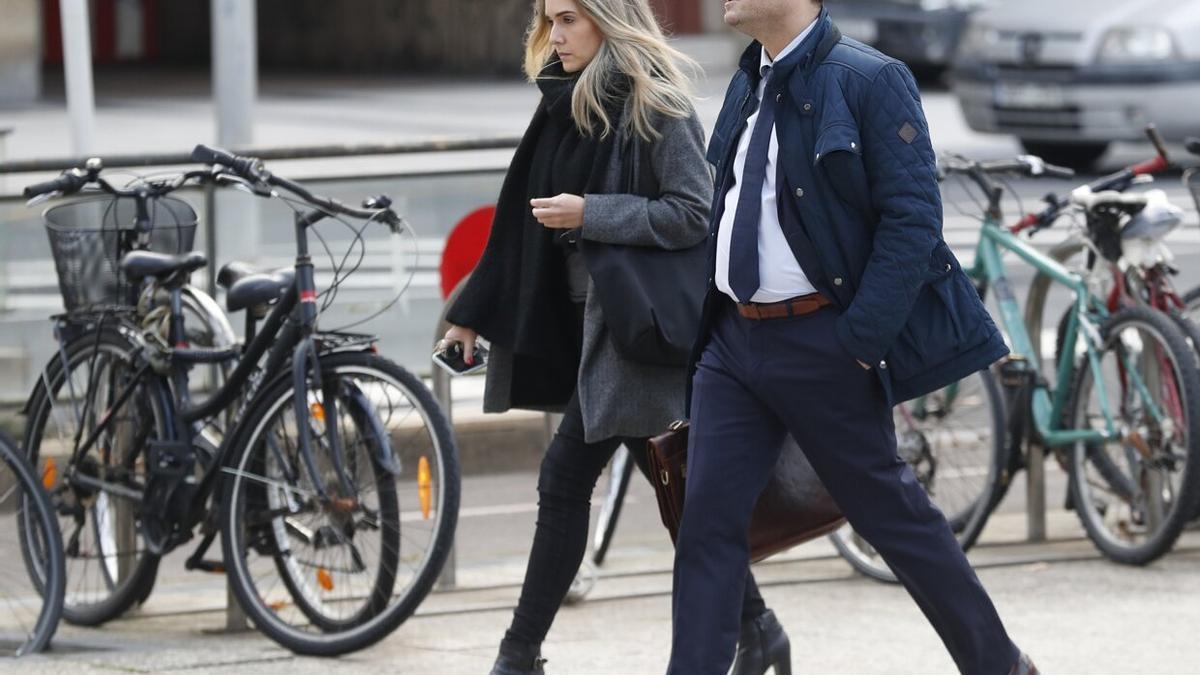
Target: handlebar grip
point(1058, 171)
point(1192, 145)
point(1157, 140)
point(206, 155)
point(68, 182)
point(247, 167)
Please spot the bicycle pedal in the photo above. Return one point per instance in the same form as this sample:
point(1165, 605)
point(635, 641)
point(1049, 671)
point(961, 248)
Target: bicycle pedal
point(210, 566)
point(1015, 372)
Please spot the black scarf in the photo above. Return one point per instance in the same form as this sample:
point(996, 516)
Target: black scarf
point(517, 295)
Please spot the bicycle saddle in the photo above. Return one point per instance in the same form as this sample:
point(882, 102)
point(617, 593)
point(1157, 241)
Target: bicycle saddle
point(142, 264)
point(248, 286)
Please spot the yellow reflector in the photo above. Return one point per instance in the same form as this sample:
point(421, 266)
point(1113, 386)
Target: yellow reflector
point(50, 474)
point(318, 412)
point(424, 486)
point(325, 579)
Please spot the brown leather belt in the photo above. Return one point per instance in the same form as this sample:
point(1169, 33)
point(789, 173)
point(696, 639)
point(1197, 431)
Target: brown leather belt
point(805, 304)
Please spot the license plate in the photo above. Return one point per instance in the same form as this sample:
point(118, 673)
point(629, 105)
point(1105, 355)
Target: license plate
point(1029, 95)
point(863, 30)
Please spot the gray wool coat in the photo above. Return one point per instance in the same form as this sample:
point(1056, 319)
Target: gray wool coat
point(619, 397)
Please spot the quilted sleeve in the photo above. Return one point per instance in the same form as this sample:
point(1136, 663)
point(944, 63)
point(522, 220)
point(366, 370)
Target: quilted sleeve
point(902, 175)
point(678, 218)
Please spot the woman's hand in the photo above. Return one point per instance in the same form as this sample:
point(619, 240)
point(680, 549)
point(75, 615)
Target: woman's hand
point(564, 212)
point(464, 336)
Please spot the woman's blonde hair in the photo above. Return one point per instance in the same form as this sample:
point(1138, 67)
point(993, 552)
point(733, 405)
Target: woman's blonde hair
point(633, 46)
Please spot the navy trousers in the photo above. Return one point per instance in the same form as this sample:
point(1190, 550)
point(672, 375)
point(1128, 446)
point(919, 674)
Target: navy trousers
point(756, 381)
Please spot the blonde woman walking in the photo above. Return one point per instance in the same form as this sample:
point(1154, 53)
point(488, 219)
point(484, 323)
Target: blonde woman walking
point(613, 95)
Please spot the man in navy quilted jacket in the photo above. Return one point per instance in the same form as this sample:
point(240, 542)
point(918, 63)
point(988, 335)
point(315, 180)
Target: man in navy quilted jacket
point(832, 297)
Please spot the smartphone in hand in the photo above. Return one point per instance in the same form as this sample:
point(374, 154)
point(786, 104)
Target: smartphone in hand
point(452, 360)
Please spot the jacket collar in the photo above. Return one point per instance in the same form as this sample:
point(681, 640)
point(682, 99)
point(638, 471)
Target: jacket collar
point(824, 36)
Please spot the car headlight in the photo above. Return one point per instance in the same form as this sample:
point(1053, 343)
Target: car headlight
point(1137, 44)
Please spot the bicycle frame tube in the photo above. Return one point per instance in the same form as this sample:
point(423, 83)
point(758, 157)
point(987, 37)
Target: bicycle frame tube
point(1047, 411)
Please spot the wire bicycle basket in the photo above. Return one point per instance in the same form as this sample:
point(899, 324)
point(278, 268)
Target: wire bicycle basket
point(89, 237)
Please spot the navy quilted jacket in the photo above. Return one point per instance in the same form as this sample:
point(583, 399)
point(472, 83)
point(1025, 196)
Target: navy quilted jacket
point(857, 174)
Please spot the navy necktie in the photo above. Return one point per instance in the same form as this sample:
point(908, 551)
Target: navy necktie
point(743, 245)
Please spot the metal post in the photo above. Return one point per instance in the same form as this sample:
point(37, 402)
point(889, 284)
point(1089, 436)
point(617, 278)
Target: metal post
point(441, 391)
point(235, 70)
point(1035, 497)
point(77, 64)
point(235, 83)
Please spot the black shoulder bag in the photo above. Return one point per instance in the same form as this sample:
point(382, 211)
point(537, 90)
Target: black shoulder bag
point(651, 297)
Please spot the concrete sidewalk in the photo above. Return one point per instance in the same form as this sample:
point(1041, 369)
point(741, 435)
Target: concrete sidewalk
point(1074, 611)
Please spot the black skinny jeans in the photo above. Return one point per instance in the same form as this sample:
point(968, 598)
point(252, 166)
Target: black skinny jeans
point(567, 478)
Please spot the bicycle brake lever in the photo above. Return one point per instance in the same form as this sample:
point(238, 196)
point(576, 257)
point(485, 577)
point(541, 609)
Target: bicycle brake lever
point(40, 199)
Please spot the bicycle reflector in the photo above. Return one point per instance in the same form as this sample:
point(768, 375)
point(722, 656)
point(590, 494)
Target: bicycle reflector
point(50, 474)
point(424, 486)
point(318, 412)
point(325, 579)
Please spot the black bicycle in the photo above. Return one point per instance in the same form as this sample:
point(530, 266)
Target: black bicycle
point(335, 490)
point(31, 602)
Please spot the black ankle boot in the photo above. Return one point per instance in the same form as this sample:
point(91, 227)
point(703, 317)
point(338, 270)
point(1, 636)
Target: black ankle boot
point(763, 644)
point(518, 658)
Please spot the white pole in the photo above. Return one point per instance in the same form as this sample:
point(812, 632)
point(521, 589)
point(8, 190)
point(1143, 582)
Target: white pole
point(235, 70)
point(77, 62)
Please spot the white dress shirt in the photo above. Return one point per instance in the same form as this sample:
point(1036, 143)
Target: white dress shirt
point(780, 276)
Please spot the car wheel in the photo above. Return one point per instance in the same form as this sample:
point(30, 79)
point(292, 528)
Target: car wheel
point(1080, 156)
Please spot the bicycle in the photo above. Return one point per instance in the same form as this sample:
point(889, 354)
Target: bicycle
point(1129, 443)
point(33, 610)
point(1123, 235)
point(331, 445)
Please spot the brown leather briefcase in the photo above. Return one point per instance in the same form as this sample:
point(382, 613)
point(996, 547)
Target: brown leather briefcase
point(794, 507)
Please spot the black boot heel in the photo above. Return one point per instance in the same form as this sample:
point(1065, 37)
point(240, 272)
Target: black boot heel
point(763, 645)
point(518, 658)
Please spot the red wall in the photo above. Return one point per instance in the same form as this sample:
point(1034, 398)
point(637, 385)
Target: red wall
point(679, 16)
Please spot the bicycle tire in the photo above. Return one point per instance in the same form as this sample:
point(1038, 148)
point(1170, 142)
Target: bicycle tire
point(235, 486)
point(35, 512)
point(970, 522)
point(621, 472)
point(1183, 362)
point(131, 589)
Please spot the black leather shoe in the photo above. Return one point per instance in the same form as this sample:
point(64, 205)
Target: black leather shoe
point(518, 658)
point(763, 645)
point(1024, 666)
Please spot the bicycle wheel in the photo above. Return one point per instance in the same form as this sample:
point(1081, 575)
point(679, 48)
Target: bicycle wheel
point(1191, 310)
point(955, 441)
point(326, 578)
point(109, 567)
point(32, 592)
point(619, 473)
point(1134, 494)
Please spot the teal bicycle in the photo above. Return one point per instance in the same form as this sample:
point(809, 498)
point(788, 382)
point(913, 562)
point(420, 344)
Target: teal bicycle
point(1123, 413)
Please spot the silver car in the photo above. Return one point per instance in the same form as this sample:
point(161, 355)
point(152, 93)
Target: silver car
point(1069, 77)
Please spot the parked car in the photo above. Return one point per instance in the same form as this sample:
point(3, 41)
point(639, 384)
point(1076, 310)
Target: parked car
point(922, 33)
point(1070, 77)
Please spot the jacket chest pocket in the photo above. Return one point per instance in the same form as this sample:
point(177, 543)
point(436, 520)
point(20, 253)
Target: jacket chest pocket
point(839, 157)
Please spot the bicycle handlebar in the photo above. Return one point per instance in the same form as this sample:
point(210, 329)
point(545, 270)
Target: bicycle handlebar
point(253, 170)
point(69, 182)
